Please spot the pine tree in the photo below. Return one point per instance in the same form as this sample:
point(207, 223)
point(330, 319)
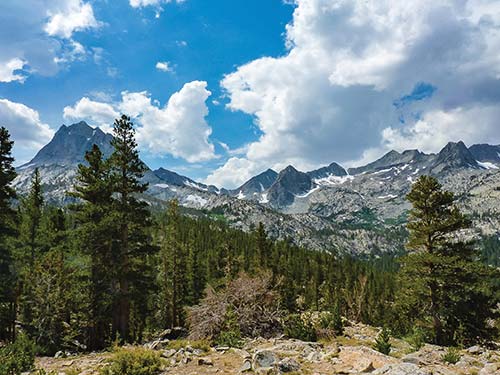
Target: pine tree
point(95, 229)
point(7, 230)
point(446, 287)
point(31, 218)
point(30, 247)
point(132, 244)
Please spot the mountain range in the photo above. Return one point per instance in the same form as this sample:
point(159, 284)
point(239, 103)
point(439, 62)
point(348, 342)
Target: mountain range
point(359, 210)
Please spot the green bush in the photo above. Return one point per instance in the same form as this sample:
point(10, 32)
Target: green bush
point(133, 361)
point(230, 334)
point(416, 339)
point(452, 356)
point(17, 357)
point(383, 342)
point(296, 328)
point(333, 321)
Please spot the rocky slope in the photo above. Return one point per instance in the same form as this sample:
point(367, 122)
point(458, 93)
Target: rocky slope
point(361, 210)
point(352, 353)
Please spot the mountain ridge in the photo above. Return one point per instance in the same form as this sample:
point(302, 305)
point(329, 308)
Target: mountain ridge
point(360, 210)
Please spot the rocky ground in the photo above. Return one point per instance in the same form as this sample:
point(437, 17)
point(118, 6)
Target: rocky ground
point(349, 354)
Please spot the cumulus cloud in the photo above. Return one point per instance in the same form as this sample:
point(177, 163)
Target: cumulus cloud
point(71, 16)
point(164, 66)
point(8, 70)
point(40, 34)
point(332, 96)
point(101, 114)
point(178, 128)
point(27, 130)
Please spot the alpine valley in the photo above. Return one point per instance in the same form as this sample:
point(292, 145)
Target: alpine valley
point(359, 210)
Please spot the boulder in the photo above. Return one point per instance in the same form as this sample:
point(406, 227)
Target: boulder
point(490, 369)
point(264, 359)
point(173, 333)
point(247, 366)
point(401, 369)
point(476, 349)
point(288, 365)
point(159, 344)
point(205, 362)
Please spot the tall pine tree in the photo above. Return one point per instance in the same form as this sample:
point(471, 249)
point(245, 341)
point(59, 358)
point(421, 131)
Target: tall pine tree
point(447, 288)
point(132, 243)
point(95, 229)
point(7, 230)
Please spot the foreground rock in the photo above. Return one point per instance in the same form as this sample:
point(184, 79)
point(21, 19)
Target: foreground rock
point(349, 354)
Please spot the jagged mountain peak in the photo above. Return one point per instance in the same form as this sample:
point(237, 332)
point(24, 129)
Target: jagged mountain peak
point(486, 153)
point(333, 169)
point(69, 144)
point(454, 155)
point(257, 184)
point(390, 159)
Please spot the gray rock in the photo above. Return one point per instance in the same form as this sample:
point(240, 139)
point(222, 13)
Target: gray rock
point(247, 366)
point(168, 353)
point(264, 358)
point(401, 369)
point(288, 365)
point(490, 369)
point(476, 349)
point(205, 362)
point(60, 354)
point(159, 344)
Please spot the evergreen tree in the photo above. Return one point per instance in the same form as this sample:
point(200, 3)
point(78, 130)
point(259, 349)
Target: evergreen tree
point(30, 247)
point(7, 230)
point(31, 218)
point(446, 287)
point(132, 243)
point(95, 229)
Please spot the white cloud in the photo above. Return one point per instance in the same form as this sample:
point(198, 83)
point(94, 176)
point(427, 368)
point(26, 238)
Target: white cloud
point(101, 114)
point(143, 3)
point(164, 66)
point(178, 128)
point(330, 98)
point(233, 173)
point(27, 130)
point(8, 70)
point(39, 33)
point(72, 15)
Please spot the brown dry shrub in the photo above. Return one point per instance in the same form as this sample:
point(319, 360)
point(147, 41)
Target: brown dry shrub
point(251, 300)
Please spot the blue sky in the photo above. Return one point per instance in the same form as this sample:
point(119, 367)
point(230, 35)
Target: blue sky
point(222, 90)
point(200, 40)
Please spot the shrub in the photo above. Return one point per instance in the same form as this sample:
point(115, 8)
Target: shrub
point(383, 342)
point(297, 328)
point(17, 357)
point(133, 361)
point(196, 344)
point(416, 339)
point(452, 356)
point(253, 302)
point(230, 334)
point(333, 321)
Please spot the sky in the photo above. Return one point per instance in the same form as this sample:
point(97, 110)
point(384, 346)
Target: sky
point(222, 90)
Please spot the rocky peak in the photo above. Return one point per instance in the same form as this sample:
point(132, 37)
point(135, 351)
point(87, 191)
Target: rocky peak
point(486, 153)
point(333, 169)
point(171, 177)
point(70, 143)
point(257, 184)
point(290, 183)
point(454, 155)
point(392, 158)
